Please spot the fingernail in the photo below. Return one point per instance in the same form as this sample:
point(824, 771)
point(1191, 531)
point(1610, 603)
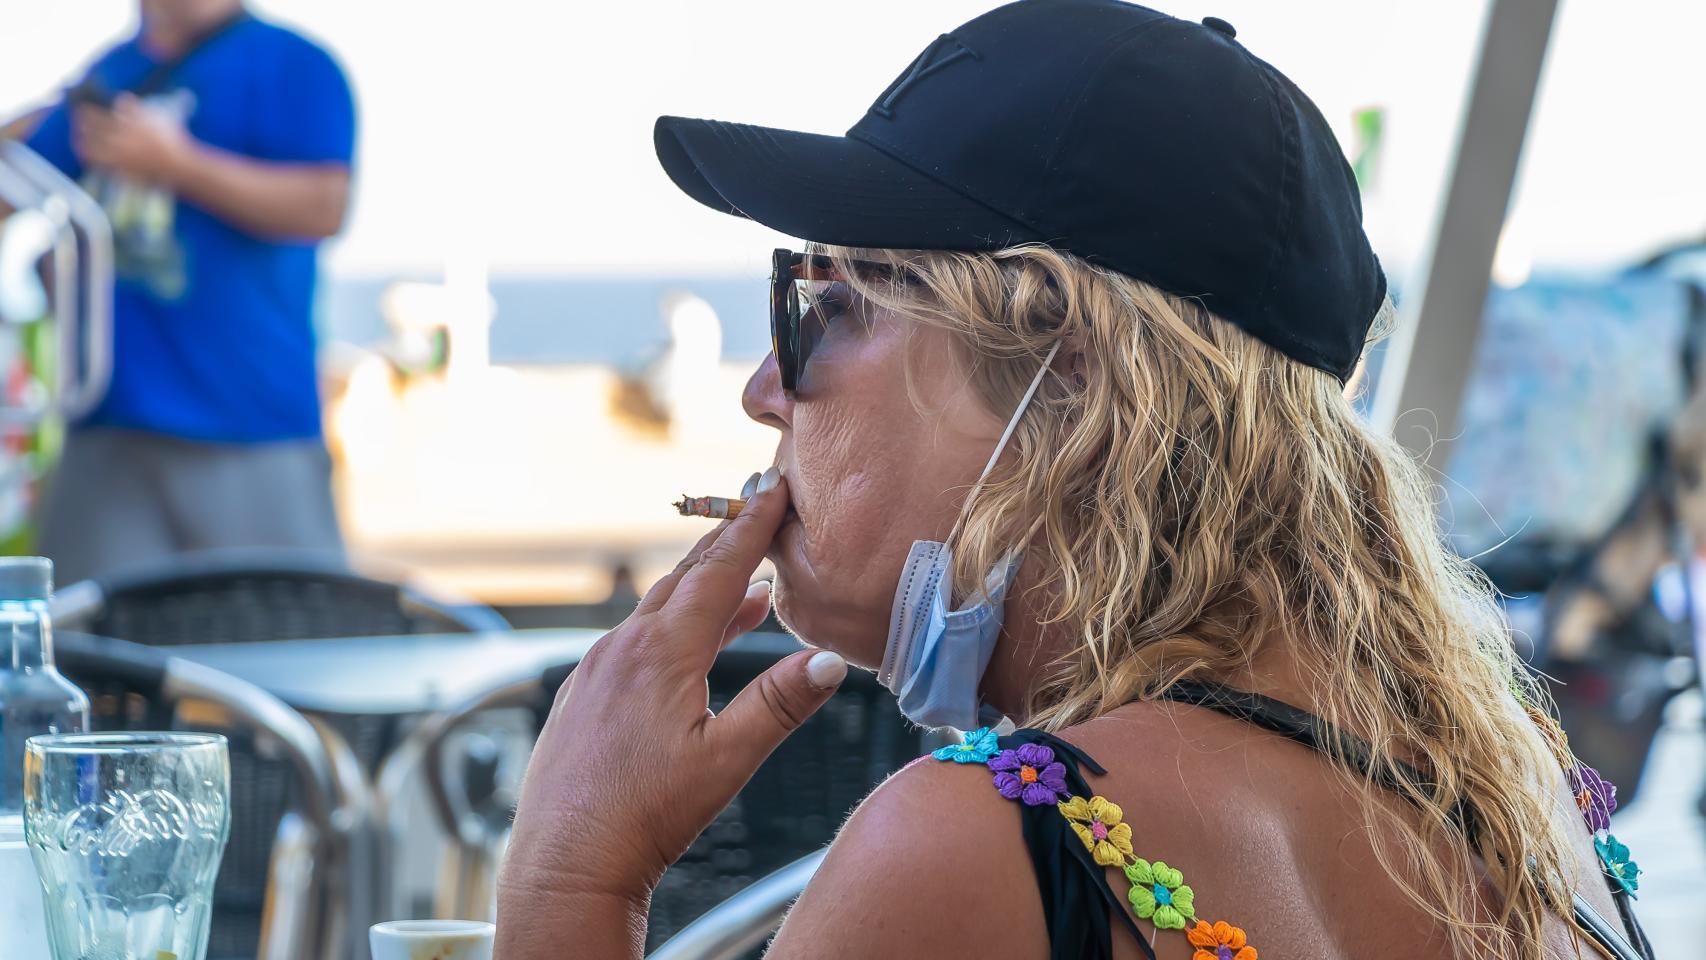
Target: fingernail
point(826, 669)
point(769, 479)
point(758, 587)
point(751, 487)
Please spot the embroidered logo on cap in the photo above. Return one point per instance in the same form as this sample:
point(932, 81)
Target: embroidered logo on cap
point(942, 51)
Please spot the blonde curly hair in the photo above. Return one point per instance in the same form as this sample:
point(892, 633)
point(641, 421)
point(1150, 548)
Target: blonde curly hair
point(1189, 494)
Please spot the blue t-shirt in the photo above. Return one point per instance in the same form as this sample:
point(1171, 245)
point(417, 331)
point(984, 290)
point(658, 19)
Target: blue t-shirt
point(225, 353)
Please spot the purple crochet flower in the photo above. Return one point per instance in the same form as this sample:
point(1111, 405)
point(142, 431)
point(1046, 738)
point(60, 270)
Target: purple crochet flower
point(1595, 796)
point(1031, 774)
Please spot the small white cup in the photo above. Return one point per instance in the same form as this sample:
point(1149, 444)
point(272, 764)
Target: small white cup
point(431, 940)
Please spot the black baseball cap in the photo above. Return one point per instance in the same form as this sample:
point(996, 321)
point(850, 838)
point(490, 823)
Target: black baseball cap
point(1154, 146)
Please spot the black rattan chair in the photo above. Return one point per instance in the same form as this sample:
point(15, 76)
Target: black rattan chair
point(280, 895)
point(791, 808)
point(243, 596)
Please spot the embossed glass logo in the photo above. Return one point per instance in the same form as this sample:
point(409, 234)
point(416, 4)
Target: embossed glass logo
point(122, 821)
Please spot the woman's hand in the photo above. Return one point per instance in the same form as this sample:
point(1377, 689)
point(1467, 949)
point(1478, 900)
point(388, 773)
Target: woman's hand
point(632, 765)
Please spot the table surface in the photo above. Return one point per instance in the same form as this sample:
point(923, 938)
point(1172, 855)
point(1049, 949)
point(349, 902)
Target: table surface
point(414, 673)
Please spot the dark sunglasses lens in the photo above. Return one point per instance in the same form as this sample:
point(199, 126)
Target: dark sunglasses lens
point(784, 329)
point(816, 311)
point(804, 300)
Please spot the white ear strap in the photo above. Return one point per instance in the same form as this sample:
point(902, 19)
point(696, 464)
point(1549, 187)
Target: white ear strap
point(1007, 434)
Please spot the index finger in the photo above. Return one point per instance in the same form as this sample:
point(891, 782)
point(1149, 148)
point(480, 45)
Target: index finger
point(709, 594)
point(660, 592)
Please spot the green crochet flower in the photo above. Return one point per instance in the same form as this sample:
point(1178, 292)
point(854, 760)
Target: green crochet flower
point(1158, 893)
point(1614, 857)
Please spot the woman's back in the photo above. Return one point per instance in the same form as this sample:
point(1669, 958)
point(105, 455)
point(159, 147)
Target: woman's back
point(1277, 844)
point(1268, 837)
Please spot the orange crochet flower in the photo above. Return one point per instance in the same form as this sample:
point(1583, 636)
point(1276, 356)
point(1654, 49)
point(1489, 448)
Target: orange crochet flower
point(1221, 941)
point(1553, 734)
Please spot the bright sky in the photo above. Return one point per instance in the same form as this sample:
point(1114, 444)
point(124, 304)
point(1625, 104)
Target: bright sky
point(521, 131)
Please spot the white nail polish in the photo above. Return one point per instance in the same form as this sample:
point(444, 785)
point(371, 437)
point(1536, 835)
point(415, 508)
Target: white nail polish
point(751, 487)
point(771, 476)
point(826, 669)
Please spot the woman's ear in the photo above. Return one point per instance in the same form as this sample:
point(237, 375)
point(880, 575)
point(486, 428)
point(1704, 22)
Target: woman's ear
point(1076, 361)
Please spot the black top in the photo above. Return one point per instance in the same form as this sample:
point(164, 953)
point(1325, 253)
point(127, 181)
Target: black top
point(1078, 901)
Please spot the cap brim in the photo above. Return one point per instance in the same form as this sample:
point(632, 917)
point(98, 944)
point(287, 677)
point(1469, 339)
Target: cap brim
point(833, 190)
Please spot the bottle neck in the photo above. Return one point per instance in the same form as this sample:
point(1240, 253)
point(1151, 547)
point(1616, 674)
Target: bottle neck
point(27, 642)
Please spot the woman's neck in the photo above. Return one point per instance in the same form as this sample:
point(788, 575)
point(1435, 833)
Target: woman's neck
point(1025, 650)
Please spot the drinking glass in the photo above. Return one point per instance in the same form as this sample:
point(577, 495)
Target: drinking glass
point(126, 831)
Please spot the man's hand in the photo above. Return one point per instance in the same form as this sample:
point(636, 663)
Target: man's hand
point(269, 200)
point(131, 140)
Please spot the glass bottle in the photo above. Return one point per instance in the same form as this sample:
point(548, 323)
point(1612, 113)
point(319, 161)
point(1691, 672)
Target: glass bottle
point(34, 697)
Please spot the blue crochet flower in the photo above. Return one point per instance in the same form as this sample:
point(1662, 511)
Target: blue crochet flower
point(977, 747)
point(1614, 857)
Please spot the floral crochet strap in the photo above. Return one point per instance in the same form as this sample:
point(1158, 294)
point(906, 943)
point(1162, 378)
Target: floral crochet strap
point(1077, 900)
point(1073, 837)
point(1596, 798)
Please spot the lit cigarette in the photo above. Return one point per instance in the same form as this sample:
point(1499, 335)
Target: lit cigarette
point(717, 508)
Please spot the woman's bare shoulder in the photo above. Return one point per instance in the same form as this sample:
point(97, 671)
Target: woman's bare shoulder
point(921, 868)
point(932, 855)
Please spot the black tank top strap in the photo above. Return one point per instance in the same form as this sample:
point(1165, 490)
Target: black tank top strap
point(1315, 733)
point(1276, 716)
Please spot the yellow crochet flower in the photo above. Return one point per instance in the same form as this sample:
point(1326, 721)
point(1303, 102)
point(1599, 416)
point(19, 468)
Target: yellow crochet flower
point(1098, 823)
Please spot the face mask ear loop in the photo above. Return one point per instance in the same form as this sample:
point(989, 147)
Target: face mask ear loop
point(1007, 434)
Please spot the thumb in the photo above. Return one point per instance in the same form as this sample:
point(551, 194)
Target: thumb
point(776, 703)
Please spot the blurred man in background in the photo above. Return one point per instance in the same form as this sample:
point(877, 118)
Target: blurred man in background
point(220, 147)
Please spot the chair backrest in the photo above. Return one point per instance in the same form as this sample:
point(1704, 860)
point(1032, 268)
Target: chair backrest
point(241, 596)
point(280, 773)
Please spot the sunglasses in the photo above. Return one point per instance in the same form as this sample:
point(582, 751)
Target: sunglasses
point(803, 303)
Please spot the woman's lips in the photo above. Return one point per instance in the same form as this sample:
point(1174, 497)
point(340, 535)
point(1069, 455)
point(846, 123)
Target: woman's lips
point(786, 531)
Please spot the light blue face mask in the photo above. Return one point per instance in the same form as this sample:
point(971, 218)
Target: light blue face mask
point(935, 658)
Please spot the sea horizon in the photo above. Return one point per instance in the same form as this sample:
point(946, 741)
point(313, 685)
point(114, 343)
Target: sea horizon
point(555, 319)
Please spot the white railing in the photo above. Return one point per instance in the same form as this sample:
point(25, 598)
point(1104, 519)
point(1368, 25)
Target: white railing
point(75, 241)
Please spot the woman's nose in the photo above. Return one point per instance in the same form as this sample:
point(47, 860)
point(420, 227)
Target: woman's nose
point(764, 400)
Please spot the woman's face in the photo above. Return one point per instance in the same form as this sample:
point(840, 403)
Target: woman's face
point(869, 470)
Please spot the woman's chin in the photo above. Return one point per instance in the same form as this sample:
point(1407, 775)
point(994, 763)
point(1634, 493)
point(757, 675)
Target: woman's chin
point(818, 613)
point(820, 625)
